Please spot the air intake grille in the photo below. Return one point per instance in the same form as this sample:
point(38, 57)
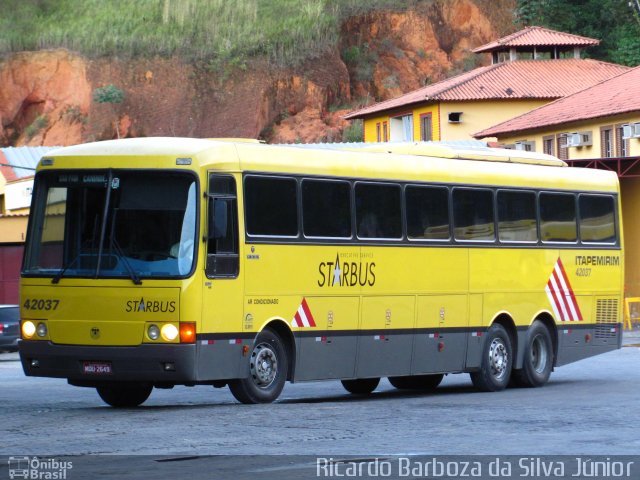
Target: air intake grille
point(606, 317)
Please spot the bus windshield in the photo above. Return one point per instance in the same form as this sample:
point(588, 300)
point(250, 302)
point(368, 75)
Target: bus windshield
point(115, 223)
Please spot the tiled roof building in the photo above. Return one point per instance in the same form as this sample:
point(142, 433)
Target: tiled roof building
point(530, 68)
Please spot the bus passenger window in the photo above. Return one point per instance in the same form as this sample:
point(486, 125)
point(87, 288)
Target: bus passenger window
point(517, 216)
point(378, 210)
point(597, 224)
point(326, 208)
point(473, 214)
point(558, 217)
point(427, 213)
point(222, 227)
point(271, 206)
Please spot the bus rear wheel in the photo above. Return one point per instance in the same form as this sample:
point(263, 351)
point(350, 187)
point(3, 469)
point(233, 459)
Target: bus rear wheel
point(497, 360)
point(538, 357)
point(268, 366)
point(124, 395)
point(417, 382)
point(361, 386)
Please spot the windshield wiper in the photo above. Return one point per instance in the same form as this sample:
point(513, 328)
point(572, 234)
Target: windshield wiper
point(121, 256)
point(58, 276)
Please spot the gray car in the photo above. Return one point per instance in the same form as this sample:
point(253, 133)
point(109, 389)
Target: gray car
point(9, 327)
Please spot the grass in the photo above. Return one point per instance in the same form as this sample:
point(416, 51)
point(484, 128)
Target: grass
point(284, 31)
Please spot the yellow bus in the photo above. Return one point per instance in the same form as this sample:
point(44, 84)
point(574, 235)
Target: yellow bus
point(157, 262)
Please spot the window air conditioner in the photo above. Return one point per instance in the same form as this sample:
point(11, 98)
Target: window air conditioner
point(579, 139)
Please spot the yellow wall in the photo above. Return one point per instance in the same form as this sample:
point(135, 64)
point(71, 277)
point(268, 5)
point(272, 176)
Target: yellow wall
point(476, 116)
point(586, 152)
point(370, 130)
point(479, 115)
point(13, 229)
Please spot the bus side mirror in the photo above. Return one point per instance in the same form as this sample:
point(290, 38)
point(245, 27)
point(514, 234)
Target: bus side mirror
point(217, 222)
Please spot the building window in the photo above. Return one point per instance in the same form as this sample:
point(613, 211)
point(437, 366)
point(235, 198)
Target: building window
point(378, 137)
point(426, 128)
point(622, 145)
point(563, 151)
point(547, 145)
point(606, 142)
point(385, 132)
point(401, 128)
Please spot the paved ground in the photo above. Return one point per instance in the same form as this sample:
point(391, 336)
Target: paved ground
point(590, 407)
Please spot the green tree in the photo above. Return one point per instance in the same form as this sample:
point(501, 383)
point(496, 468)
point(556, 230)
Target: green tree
point(616, 23)
point(112, 95)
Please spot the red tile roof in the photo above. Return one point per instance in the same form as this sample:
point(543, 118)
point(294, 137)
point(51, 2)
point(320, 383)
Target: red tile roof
point(537, 37)
point(5, 170)
point(615, 96)
point(521, 79)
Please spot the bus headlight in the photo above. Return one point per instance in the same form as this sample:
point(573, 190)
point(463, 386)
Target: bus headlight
point(41, 330)
point(153, 332)
point(169, 332)
point(28, 329)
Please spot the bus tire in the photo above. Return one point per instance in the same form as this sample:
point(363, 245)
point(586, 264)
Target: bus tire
point(497, 361)
point(417, 382)
point(124, 395)
point(267, 371)
point(538, 357)
point(361, 386)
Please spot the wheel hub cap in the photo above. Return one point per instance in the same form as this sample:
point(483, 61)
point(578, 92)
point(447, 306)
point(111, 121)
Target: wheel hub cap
point(264, 366)
point(498, 358)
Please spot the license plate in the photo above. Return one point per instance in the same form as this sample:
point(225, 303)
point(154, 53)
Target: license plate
point(97, 368)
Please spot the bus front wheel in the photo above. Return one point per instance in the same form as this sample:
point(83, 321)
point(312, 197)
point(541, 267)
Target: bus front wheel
point(267, 371)
point(361, 386)
point(538, 357)
point(497, 359)
point(123, 395)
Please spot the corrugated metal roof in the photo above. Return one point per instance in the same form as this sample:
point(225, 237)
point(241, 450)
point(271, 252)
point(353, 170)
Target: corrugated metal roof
point(356, 145)
point(614, 96)
point(537, 37)
point(20, 162)
point(521, 79)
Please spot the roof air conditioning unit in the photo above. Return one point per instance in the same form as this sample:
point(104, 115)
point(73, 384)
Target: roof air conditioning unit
point(579, 139)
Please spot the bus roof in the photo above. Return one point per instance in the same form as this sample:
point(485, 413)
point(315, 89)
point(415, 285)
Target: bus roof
point(413, 161)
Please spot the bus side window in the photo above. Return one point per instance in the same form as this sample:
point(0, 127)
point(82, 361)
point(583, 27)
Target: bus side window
point(597, 219)
point(222, 227)
point(378, 210)
point(427, 213)
point(558, 217)
point(517, 219)
point(473, 214)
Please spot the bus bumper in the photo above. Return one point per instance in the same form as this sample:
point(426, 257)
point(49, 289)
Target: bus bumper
point(90, 365)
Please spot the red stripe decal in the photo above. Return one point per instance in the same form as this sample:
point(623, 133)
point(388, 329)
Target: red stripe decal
point(307, 312)
point(573, 297)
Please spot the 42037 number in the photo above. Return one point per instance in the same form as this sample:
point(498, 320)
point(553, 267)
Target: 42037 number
point(40, 304)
